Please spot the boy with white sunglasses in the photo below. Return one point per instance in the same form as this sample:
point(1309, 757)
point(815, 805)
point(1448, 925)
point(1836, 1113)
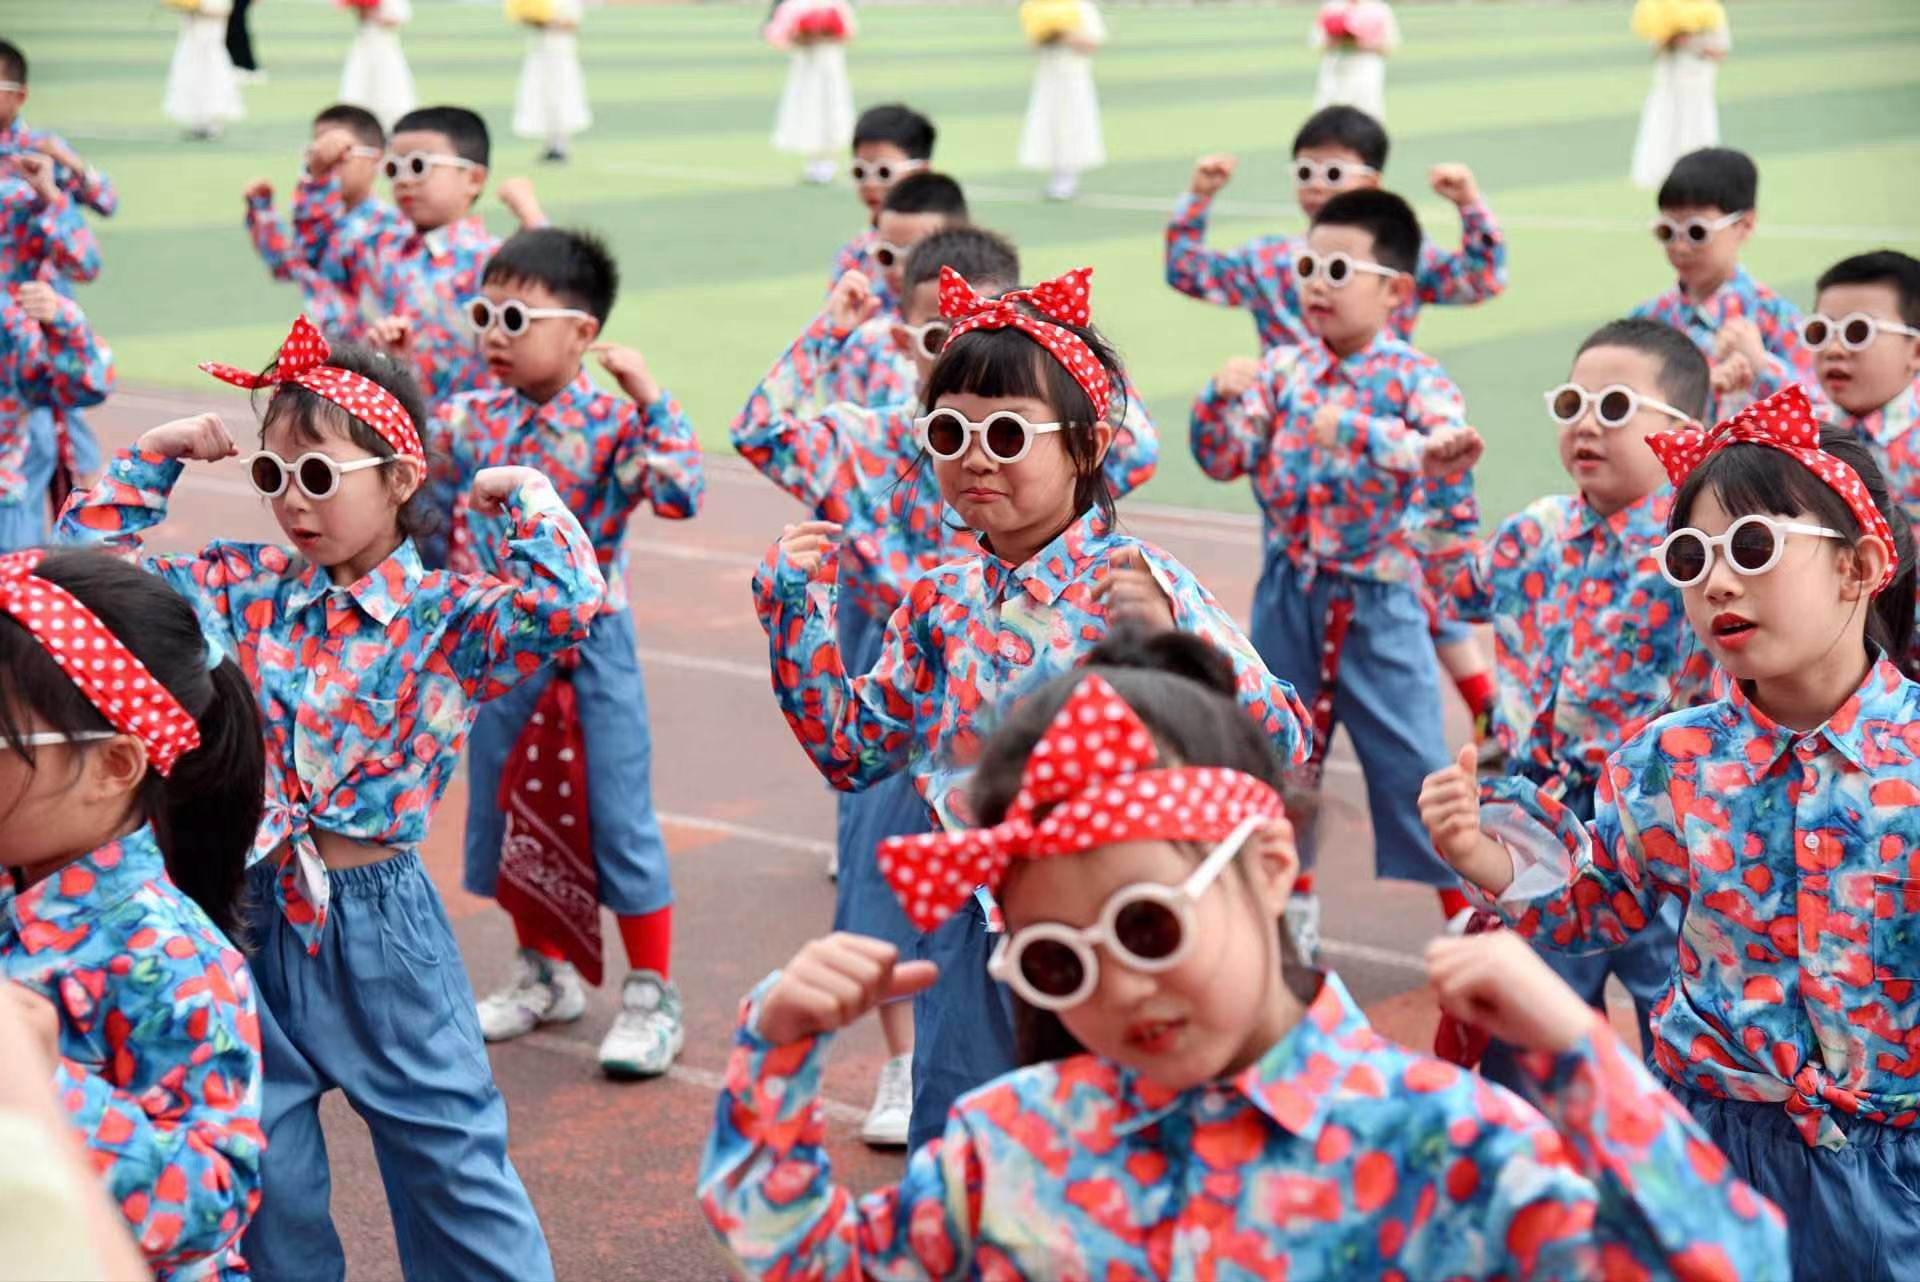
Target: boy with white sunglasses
point(1750, 333)
point(890, 142)
point(1590, 639)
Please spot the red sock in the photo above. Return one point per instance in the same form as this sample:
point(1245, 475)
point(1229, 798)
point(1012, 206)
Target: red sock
point(1477, 690)
point(1453, 902)
point(649, 940)
point(531, 938)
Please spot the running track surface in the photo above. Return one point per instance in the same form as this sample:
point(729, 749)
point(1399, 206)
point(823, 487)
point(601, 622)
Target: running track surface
point(749, 824)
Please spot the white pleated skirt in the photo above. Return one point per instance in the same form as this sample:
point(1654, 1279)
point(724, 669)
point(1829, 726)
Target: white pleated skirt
point(552, 102)
point(1352, 78)
point(202, 91)
point(376, 76)
point(1680, 115)
point(816, 110)
point(1062, 131)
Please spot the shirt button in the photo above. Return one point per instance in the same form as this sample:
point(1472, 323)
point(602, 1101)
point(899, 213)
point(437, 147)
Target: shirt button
point(1812, 842)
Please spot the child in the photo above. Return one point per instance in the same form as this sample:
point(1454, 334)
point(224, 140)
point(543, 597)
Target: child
point(80, 181)
point(376, 75)
point(547, 294)
point(133, 801)
point(1777, 817)
point(44, 237)
point(202, 95)
point(336, 189)
point(815, 118)
point(1353, 39)
point(50, 361)
point(1061, 136)
point(889, 142)
point(872, 369)
point(368, 670)
point(1347, 439)
point(1690, 39)
point(1590, 640)
point(551, 106)
point(1017, 428)
point(1750, 333)
point(854, 466)
point(1339, 149)
point(1865, 339)
point(1194, 1101)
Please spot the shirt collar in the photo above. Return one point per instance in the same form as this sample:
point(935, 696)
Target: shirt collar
point(454, 235)
point(381, 592)
point(1319, 360)
point(89, 886)
point(1642, 521)
point(1871, 713)
point(577, 395)
point(1891, 420)
point(1045, 576)
point(1737, 285)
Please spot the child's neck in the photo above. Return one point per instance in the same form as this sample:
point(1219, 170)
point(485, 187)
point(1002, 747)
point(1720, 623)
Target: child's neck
point(1352, 346)
point(351, 571)
point(1280, 1015)
point(1017, 547)
point(1604, 508)
point(35, 873)
point(1807, 698)
point(1702, 290)
point(545, 390)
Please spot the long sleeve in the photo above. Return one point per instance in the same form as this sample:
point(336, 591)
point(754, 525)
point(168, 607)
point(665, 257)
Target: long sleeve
point(1398, 443)
point(858, 729)
point(1134, 455)
point(319, 213)
point(1469, 595)
point(68, 368)
point(1788, 360)
point(659, 459)
point(50, 236)
point(794, 439)
point(268, 232)
point(91, 188)
point(549, 589)
point(766, 1180)
point(1228, 435)
point(1229, 278)
point(1475, 272)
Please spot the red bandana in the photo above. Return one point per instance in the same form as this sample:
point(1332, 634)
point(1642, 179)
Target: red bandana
point(1785, 422)
point(110, 675)
point(303, 360)
point(1066, 299)
point(1094, 773)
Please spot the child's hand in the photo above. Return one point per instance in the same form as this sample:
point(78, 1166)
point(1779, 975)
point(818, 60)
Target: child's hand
point(259, 189)
point(493, 486)
point(1733, 374)
point(1211, 173)
point(63, 154)
point(1237, 377)
point(852, 302)
point(629, 369)
point(1450, 809)
point(35, 1016)
point(1741, 337)
point(203, 438)
point(518, 196)
point(39, 300)
point(833, 981)
point(327, 151)
point(805, 543)
point(1326, 425)
point(1497, 981)
point(1132, 594)
point(1454, 183)
point(1451, 451)
point(394, 333)
point(37, 168)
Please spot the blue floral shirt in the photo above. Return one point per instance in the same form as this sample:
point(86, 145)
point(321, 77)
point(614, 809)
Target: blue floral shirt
point(1788, 360)
point(326, 264)
point(58, 365)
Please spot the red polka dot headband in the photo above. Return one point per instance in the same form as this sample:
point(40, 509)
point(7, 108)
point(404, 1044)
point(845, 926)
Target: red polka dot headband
point(110, 675)
point(1785, 422)
point(303, 360)
point(1094, 773)
point(1067, 299)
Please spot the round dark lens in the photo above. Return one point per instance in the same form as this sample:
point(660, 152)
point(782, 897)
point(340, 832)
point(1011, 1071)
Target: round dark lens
point(1697, 232)
point(1686, 558)
point(513, 318)
point(393, 169)
point(1337, 271)
point(1334, 175)
point(266, 475)
point(316, 478)
point(1815, 333)
point(1304, 174)
point(480, 312)
point(946, 437)
point(1568, 404)
point(1006, 436)
point(1751, 546)
point(883, 173)
point(1857, 332)
point(1305, 266)
point(1148, 929)
point(1052, 968)
point(1615, 408)
point(885, 256)
point(1663, 232)
point(934, 340)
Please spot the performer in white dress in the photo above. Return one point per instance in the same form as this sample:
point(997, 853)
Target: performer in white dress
point(376, 76)
point(551, 106)
point(203, 93)
point(815, 119)
point(1354, 38)
point(1062, 136)
point(1681, 115)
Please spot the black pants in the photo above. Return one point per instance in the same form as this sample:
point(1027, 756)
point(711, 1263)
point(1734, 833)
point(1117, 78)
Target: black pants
point(239, 43)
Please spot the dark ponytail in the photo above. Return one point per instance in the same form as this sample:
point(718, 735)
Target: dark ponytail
point(206, 813)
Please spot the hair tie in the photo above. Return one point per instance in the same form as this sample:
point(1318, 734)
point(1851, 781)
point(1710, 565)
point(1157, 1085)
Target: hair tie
point(1784, 422)
point(1067, 300)
point(303, 360)
point(112, 677)
point(1094, 772)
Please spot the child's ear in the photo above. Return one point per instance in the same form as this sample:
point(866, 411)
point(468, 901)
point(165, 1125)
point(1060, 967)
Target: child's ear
point(405, 477)
point(904, 340)
point(116, 767)
point(588, 331)
point(1747, 223)
point(1273, 858)
point(476, 180)
point(1865, 567)
point(1400, 289)
point(1102, 441)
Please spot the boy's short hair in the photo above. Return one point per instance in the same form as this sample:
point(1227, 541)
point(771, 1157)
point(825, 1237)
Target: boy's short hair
point(925, 193)
point(1347, 127)
point(899, 124)
point(575, 265)
point(987, 259)
point(1383, 215)
point(463, 128)
point(358, 121)
point(1685, 378)
point(1881, 267)
point(13, 63)
point(1712, 178)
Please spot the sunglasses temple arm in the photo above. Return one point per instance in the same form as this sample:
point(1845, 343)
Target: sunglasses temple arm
point(1223, 854)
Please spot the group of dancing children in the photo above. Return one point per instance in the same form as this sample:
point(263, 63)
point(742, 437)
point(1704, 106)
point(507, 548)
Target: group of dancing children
point(1076, 852)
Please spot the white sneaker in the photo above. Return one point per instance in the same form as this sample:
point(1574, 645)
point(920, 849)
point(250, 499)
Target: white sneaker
point(540, 991)
point(647, 1034)
point(892, 1113)
point(1064, 185)
point(1303, 922)
point(820, 172)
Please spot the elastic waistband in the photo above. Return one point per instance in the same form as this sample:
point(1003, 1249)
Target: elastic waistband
point(1773, 1119)
point(365, 881)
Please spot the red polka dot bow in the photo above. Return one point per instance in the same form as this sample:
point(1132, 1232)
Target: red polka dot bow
point(110, 675)
point(1785, 422)
point(303, 360)
point(1066, 299)
point(1094, 776)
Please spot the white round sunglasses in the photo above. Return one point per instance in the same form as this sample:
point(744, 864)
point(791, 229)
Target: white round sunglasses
point(317, 475)
point(1339, 268)
point(1695, 231)
point(415, 165)
point(1856, 331)
point(511, 315)
point(884, 171)
point(1614, 405)
point(1004, 435)
point(1752, 545)
point(1329, 173)
point(930, 338)
point(1146, 926)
